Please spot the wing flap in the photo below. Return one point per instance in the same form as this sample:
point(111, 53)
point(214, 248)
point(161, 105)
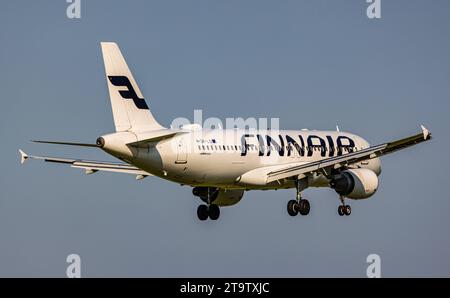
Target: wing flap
point(109, 167)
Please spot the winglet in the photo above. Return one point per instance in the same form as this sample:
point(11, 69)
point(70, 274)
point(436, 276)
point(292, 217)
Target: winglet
point(23, 156)
point(426, 132)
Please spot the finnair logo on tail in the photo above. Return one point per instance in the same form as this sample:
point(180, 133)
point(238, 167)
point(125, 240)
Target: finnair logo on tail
point(123, 81)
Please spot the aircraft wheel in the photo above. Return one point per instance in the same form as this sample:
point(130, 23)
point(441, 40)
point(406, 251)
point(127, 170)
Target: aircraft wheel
point(304, 207)
point(202, 212)
point(347, 210)
point(341, 210)
point(214, 212)
point(292, 208)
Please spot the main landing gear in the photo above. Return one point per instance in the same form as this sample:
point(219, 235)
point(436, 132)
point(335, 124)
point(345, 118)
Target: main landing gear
point(204, 211)
point(344, 209)
point(207, 195)
point(299, 205)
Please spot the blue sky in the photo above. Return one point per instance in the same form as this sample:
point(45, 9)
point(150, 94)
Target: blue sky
point(313, 64)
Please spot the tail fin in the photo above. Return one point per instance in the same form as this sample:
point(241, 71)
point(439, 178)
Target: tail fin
point(129, 108)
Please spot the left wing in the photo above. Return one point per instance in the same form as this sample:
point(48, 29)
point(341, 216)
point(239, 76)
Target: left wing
point(344, 160)
point(90, 166)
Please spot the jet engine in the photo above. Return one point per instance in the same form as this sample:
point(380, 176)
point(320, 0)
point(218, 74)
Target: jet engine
point(218, 196)
point(355, 183)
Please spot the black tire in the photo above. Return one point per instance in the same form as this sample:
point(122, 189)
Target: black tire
point(292, 208)
point(202, 212)
point(304, 207)
point(341, 210)
point(347, 210)
point(214, 212)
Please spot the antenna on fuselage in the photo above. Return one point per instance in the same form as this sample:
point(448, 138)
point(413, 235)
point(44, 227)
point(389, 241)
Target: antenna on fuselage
point(337, 127)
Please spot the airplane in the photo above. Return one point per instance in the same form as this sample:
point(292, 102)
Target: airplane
point(221, 164)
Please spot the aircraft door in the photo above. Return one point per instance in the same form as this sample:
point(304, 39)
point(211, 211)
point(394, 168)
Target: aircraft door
point(181, 152)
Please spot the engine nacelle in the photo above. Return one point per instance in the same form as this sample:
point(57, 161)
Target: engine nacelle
point(355, 183)
point(218, 196)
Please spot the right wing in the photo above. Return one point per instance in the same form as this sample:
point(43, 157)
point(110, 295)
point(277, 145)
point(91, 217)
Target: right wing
point(336, 162)
point(90, 166)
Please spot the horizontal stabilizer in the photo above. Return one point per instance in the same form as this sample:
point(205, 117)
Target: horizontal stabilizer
point(65, 143)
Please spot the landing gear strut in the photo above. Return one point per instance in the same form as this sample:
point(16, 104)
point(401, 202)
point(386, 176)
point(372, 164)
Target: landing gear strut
point(344, 209)
point(299, 205)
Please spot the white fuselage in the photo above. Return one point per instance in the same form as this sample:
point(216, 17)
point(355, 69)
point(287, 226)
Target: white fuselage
point(231, 158)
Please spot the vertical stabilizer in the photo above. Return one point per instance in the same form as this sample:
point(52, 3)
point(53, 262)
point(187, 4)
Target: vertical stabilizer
point(130, 111)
